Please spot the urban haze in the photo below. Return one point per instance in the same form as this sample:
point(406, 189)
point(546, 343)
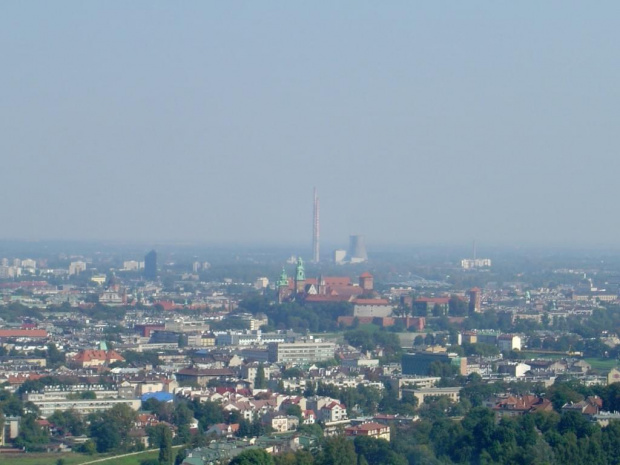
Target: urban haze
point(309, 233)
point(418, 122)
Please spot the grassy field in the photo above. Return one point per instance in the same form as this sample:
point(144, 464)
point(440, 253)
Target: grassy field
point(75, 459)
point(533, 354)
point(602, 364)
point(42, 459)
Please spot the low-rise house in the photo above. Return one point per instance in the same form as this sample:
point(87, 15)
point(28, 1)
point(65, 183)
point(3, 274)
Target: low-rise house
point(370, 429)
point(519, 405)
point(334, 411)
point(589, 407)
point(284, 423)
point(309, 417)
point(222, 429)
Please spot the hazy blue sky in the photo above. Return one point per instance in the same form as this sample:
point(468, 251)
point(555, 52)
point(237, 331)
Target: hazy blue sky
point(419, 122)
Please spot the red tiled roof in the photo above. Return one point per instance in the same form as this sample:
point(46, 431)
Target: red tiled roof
point(23, 333)
point(102, 355)
point(166, 304)
point(20, 379)
point(334, 405)
point(367, 427)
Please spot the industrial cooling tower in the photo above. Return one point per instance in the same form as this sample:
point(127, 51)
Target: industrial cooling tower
point(357, 249)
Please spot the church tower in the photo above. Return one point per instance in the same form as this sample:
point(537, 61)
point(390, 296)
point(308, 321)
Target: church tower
point(300, 276)
point(282, 287)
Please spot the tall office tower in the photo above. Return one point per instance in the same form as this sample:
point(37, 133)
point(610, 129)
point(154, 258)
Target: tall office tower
point(150, 265)
point(315, 230)
point(475, 300)
point(357, 249)
point(339, 256)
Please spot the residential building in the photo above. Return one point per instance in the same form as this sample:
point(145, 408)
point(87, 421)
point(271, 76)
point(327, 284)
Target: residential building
point(301, 352)
point(333, 411)
point(372, 308)
point(475, 300)
point(76, 268)
point(83, 407)
point(370, 429)
point(419, 363)
point(453, 393)
point(508, 342)
point(201, 377)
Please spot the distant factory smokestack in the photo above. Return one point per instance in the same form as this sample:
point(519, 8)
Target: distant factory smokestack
point(357, 249)
point(316, 255)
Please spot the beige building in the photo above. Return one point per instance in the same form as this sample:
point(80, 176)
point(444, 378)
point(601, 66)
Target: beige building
point(10, 430)
point(371, 430)
point(284, 423)
point(453, 393)
point(613, 376)
point(96, 358)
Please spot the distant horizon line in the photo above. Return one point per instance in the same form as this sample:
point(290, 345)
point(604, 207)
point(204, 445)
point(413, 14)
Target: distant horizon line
point(371, 245)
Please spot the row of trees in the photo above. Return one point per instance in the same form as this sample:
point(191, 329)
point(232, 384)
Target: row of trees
point(333, 451)
point(541, 438)
point(298, 316)
point(369, 339)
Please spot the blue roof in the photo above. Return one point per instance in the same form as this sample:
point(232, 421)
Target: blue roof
point(160, 396)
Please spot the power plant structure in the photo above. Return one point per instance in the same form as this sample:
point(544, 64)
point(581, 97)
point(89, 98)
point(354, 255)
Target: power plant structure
point(316, 253)
point(150, 265)
point(357, 249)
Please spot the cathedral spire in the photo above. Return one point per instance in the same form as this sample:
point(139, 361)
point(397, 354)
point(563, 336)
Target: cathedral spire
point(300, 276)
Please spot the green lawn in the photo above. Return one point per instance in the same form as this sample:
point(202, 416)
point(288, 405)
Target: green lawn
point(75, 459)
point(42, 459)
point(602, 364)
point(133, 459)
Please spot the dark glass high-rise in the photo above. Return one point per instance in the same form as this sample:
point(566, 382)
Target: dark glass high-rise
point(150, 265)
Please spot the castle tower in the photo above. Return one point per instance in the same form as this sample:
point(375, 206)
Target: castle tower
point(300, 276)
point(283, 281)
point(366, 281)
point(282, 287)
point(322, 288)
